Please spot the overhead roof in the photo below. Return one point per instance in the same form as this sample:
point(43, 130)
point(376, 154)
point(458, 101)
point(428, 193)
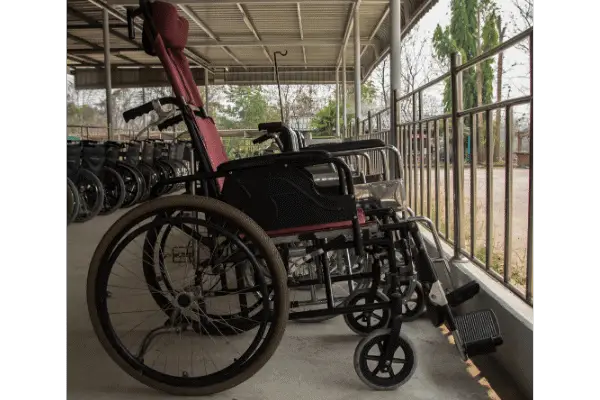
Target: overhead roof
point(235, 40)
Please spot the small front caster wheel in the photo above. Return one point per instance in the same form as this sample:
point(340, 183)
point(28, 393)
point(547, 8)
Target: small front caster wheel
point(414, 306)
point(365, 322)
point(378, 371)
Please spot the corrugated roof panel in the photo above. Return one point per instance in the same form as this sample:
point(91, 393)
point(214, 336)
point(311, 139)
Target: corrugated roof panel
point(222, 19)
point(274, 20)
point(324, 20)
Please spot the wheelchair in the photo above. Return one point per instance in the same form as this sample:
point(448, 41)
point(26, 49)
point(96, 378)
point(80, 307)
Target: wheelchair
point(89, 187)
point(133, 179)
point(253, 224)
point(73, 201)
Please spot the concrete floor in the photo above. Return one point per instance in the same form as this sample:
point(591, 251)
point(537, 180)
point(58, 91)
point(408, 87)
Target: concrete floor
point(312, 362)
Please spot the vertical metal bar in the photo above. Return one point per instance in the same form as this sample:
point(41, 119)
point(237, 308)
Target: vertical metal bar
point(344, 94)
point(395, 83)
point(357, 64)
point(458, 151)
point(396, 138)
point(337, 103)
point(206, 91)
point(489, 189)
point(421, 156)
point(437, 173)
point(474, 149)
point(107, 67)
point(87, 132)
point(447, 176)
point(508, 198)
point(409, 160)
point(415, 147)
point(369, 122)
point(428, 138)
point(529, 270)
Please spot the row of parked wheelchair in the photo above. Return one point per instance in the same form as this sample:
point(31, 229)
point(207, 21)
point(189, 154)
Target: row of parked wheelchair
point(103, 177)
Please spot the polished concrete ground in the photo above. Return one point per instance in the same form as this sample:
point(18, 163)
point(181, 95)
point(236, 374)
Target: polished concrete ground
point(314, 361)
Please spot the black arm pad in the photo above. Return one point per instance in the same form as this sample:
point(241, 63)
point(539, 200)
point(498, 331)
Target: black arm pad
point(270, 126)
point(347, 146)
point(304, 157)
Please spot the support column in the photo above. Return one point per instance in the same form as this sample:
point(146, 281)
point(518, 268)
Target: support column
point(357, 93)
point(395, 45)
point(344, 93)
point(337, 102)
point(395, 73)
point(206, 93)
point(108, 83)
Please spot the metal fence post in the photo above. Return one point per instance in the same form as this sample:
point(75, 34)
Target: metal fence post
point(369, 123)
point(458, 156)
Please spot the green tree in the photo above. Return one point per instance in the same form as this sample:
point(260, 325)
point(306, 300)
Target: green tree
point(472, 31)
point(324, 120)
point(245, 107)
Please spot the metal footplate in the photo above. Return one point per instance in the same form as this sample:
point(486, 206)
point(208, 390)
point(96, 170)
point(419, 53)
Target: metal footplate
point(479, 333)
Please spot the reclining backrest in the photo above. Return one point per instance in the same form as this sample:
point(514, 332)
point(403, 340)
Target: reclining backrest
point(168, 45)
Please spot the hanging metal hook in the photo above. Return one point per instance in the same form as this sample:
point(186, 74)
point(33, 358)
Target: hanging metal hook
point(283, 54)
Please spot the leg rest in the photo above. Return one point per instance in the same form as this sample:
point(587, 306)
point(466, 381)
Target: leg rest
point(462, 294)
point(479, 332)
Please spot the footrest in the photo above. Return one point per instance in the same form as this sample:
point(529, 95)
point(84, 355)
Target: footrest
point(479, 332)
point(462, 294)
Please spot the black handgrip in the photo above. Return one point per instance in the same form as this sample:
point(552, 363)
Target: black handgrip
point(263, 138)
point(169, 122)
point(146, 108)
point(270, 126)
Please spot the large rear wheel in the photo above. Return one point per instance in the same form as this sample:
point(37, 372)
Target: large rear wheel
point(172, 338)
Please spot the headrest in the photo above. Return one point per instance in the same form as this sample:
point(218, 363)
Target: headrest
point(172, 28)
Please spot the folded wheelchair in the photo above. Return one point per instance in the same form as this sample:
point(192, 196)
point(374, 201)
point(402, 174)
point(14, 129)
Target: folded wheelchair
point(190, 294)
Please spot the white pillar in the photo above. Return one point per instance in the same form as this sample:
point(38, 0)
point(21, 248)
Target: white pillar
point(108, 83)
point(344, 93)
point(395, 45)
point(337, 102)
point(357, 77)
point(206, 95)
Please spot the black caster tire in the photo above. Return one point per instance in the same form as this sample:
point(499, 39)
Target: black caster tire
point(114, 191)
point(363, 323)
point(377, 373)
point(414, 307)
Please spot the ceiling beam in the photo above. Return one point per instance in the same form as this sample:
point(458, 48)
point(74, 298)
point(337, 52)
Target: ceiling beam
point(252, 28)
point(213, 2)
point(313, 42)
point(94, 26)
point(194, 57)
point(84, 60)
point(192, 15)
point(385, 14)
point(349, 25)
point(114, 51)
point(97, 47)
point(301, 30)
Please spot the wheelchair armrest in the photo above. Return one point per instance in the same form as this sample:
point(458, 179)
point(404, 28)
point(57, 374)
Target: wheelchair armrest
point(347, 146)
point(304, 157)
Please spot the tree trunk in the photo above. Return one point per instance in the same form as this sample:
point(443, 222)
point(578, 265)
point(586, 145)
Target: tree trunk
point(383, 91)
point(479, 75)
point(496, 142)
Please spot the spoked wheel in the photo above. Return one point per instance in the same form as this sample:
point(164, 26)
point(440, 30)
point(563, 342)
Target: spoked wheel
point(176, 255)
point(150, 179)
point(381, 368)
point(134, 184)
point(161, 336)
point(73, 201)
point(91, 194)
point(365, 322)
point(165, 171)
point(114, 191)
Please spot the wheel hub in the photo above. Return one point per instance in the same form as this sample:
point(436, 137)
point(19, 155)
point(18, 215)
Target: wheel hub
point(184, 300)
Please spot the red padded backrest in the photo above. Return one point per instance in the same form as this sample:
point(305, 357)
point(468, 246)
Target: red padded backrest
point(168, 45)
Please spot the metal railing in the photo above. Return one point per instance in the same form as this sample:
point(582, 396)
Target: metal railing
point(431, 150)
